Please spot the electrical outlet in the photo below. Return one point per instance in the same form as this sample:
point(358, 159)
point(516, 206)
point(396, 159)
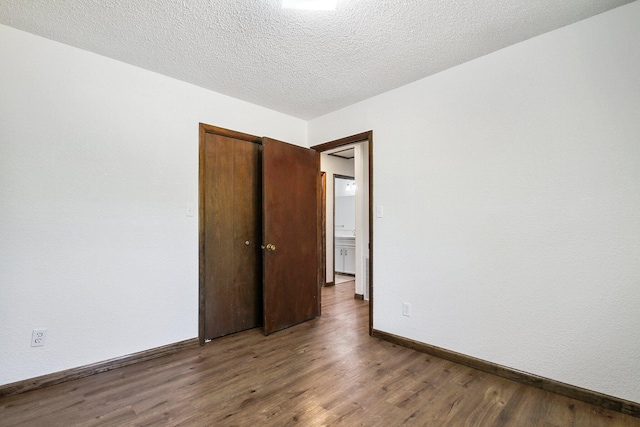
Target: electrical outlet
point(406, 309)
point(38, 337)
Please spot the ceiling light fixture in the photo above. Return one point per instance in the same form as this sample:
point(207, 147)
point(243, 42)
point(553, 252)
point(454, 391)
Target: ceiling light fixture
point(309, 4)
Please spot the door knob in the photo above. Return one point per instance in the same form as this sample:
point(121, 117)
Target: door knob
point(246, 243)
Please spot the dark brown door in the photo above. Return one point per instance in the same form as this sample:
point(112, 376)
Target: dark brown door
point(231, 216)
point(290, 176)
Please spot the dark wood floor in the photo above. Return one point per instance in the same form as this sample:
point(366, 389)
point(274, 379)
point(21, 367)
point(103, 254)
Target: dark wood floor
point(324, 372)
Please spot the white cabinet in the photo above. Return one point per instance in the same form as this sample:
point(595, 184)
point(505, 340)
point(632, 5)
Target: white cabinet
point(345, 251)
point(350, 260)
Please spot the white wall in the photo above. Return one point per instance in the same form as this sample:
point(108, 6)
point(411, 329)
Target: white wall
point(332, 165)
point(362, 217)
point(98, 160)
point(511, 194)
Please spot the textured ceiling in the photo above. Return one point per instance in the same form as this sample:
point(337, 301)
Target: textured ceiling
point(303, 63)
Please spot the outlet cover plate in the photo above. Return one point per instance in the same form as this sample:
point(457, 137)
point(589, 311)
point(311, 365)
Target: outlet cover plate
point(38, 337)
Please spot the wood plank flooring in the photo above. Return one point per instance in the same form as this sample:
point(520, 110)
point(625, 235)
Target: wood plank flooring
point(324, 372)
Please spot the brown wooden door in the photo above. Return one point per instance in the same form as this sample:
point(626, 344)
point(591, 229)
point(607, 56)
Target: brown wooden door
point(231, 221)
point(290, 176)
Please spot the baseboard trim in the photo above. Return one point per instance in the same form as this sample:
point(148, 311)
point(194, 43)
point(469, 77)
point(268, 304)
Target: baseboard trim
point(585, 395)
point(358, 296)
point(95, 368)
point(330, 284)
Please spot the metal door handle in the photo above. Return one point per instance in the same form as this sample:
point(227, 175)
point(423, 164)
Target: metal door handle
point(246, 243)
point(271, 247)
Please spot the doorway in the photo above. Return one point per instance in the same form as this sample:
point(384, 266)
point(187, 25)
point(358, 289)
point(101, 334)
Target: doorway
point(363, 174)
point(344, 228)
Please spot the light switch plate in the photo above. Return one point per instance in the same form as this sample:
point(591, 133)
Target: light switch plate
point(190, 209)
point(379, 211)
point(406, 309)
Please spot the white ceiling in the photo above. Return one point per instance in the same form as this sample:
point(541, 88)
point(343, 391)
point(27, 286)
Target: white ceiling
point(303, 63)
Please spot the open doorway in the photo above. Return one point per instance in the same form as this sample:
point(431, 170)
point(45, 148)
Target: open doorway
point(360, 147)
point(340, 226)
point(344, 229)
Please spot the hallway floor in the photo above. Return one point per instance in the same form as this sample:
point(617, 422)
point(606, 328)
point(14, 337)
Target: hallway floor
point(343, 278)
